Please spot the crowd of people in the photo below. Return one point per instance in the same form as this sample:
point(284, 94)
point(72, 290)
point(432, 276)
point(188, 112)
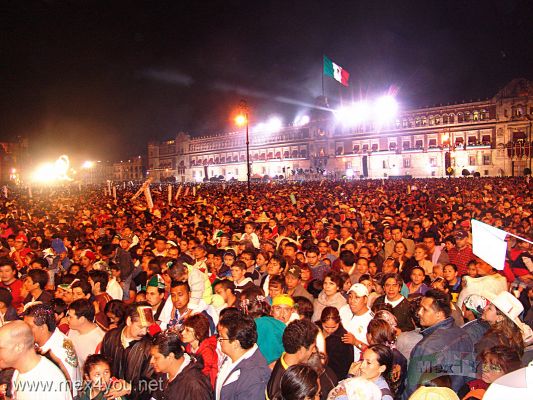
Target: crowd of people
point(318, 290)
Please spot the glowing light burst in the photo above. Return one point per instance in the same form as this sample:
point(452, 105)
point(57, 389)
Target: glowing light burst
point(273, 125)
point(301, 120)
point(51, 172)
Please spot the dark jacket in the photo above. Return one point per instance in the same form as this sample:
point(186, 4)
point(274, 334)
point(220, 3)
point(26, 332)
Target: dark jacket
point(340, 355)
point(403, 313)
point(251, 383)
point(131, 364)
point(444, 349)
point(190, 384)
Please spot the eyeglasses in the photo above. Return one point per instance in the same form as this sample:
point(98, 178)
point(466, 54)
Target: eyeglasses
point(491, 368)
point(220, 338)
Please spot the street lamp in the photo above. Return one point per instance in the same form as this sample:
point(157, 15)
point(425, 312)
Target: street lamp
point(240, 120)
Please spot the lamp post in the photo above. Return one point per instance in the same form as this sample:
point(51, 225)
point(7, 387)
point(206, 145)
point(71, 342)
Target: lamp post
point(241, 120)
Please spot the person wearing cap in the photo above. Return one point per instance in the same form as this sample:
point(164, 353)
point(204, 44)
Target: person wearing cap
point(506, 328)
point(155, 295)
point(461, 253)
point(355, 317)
point(472, 308)
point(293, 276)
point(128, 348)
point(444, 349)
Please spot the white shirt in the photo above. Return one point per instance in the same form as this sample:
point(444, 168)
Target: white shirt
point(63, 348)
point(356, 325)
point(87, 343)
point(224, 376)
point(394, 303)
point(114, 289)
point(44, 381)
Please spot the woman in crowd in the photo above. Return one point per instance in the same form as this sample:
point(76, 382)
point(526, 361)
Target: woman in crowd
point(330, 296)
point(420, 258)
point(340, 354)
point(495, 362)
point(261, 262)
point(451, 275)
point(400, 255)
point(417, 287)
point(299, 382)
point(376, 367)
point(501, 314)
point(380, 331)
point(195, 334)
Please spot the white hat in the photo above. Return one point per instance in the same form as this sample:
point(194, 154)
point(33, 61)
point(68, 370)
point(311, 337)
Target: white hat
point(510, 306)
point(359, 289)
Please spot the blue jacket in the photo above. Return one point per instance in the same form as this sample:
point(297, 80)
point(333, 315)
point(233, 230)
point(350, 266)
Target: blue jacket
point(252, 381)
point(445, 349)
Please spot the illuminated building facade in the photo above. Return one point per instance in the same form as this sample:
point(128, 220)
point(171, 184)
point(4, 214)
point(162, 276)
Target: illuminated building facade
point(129, 170)
point(14, 157)
point(490, 137)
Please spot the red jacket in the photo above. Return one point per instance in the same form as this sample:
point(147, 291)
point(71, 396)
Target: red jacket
point(208, 351)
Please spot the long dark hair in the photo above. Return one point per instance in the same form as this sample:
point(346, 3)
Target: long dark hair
point(384, 357)
point(298, 382)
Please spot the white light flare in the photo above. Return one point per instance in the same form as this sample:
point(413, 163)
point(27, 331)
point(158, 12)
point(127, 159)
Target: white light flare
point(385, 109)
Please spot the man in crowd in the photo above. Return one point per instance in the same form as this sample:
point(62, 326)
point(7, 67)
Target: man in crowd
point(53, 343)
point(35, 376)
point(84, 333)
point(299, 342)
point(244, 374)
point(445, 349)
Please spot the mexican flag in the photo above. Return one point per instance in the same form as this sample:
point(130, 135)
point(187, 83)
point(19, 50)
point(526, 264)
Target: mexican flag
point(336, 71)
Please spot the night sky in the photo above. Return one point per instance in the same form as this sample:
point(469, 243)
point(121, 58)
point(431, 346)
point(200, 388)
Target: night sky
point(99, 79)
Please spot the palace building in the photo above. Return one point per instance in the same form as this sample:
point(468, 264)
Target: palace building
point(491, 137)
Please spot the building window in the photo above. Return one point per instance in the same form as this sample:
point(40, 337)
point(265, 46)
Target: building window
point(486, 172)
point(407, 162)
point(433, 162)
point(406, 145)
point(375, 147)
point(471, 160)
point(384, 164)
point(486, 159)
point(432, 143)
point(419, 144)
point(485, 139)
